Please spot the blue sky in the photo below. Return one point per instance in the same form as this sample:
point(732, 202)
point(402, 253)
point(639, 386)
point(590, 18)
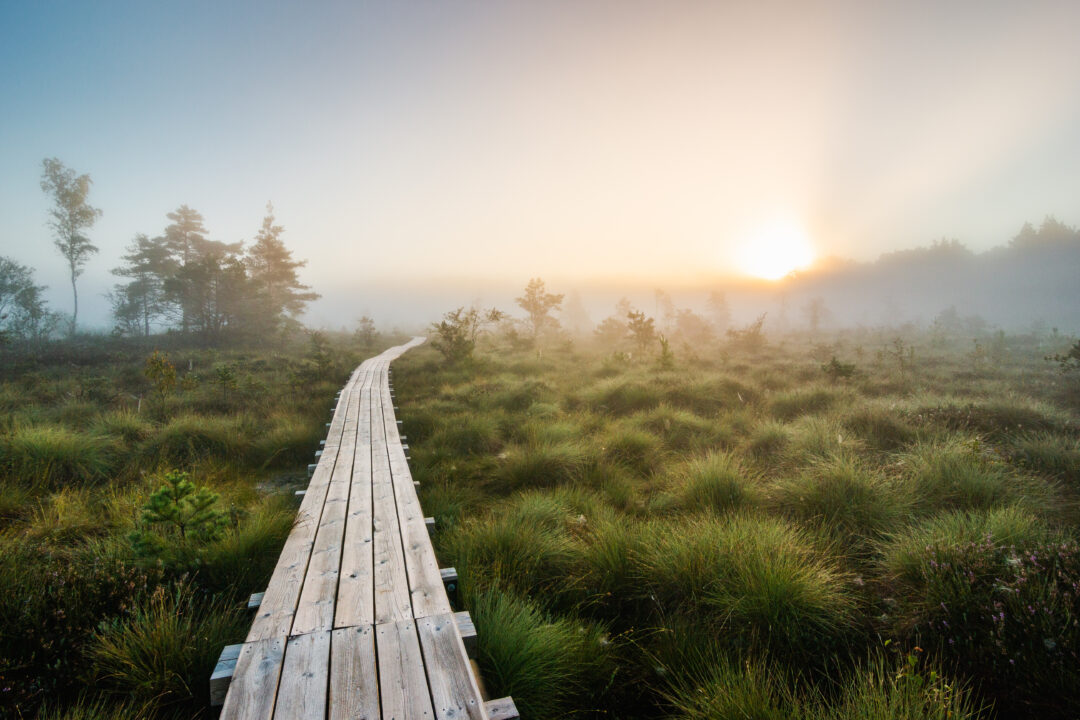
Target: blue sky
point(453, 147)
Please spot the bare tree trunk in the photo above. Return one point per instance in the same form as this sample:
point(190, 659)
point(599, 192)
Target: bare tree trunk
point(75, 293)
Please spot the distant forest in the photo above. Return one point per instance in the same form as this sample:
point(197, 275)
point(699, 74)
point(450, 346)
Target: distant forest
point(178, 281)
point(1032, 282)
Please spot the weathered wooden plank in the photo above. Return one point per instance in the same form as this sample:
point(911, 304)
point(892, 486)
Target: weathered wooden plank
point(356, 585)
point(305, 675)
point(255, 681)
point(454, 692)
point(275, 615)
point(392, 598)
point(354, 685)
point(315, 611)
point(425, 584)
point(402, 681)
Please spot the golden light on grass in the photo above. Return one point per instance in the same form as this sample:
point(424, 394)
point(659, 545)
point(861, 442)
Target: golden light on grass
point(774, 249)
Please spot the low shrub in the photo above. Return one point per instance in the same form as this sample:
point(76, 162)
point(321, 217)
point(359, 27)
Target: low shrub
point(1004, 611)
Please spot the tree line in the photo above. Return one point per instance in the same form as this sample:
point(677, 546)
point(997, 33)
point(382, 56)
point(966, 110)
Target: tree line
point(180, 280)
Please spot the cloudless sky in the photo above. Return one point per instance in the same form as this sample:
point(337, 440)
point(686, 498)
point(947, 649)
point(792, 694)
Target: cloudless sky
point(435, 142)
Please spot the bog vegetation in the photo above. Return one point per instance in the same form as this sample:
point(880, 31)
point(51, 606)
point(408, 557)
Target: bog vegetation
point(664, 520)
point(144, 495)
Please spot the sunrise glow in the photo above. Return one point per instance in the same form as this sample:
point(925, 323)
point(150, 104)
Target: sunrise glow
point(774, 250)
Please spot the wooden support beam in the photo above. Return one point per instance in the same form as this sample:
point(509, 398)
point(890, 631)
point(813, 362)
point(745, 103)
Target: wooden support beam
point(300, 493)
point(430, 522)
point(223, 673)
point(255, 600)
point(501, 709)
point(467, 630)
point(449, 578)
point(311, 469)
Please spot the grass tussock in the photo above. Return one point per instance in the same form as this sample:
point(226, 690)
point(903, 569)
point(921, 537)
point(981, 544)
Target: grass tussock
point(718, 482)
point(162, 653)
point(52, 456)
point(551, 666)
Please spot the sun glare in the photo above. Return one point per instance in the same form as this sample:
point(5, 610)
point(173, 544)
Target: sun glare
point(773, 250)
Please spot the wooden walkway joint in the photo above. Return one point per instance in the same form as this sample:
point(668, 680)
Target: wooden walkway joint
point(356, 622)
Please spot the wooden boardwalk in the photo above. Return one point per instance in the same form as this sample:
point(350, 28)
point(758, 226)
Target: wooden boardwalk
point(356, 622)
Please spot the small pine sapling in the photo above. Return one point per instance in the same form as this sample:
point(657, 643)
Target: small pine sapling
point(183, 515)
point(837, 370)
point(1068, 361)
point(161, 373)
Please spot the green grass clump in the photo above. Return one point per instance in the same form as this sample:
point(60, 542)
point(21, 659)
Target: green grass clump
point(189, 438)
point(843, 497)
point(759, 579)
point(163, 651)
point(904, 552)
point(527, 548)
point(550, 665)
point(881, 429)
point(52, 456)
point(240, 560)
point(958, 475)
point(621, 396)
point(639, 452)
point(790, 405)
point(880, 689)
point(718, 689)
point(682, 430)
point(541, 465)
point(718, 482)
point(91, 708)
point(468, 435)
point(289, 442)
point(124, 425)
point(768, 441)
point(1049, 454)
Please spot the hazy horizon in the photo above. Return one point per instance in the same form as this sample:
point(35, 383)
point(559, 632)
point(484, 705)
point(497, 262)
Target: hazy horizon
point(452, 151)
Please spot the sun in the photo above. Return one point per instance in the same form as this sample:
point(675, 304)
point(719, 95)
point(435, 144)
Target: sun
point(775, 249)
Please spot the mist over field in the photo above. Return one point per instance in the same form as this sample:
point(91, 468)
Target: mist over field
point(748, 384)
